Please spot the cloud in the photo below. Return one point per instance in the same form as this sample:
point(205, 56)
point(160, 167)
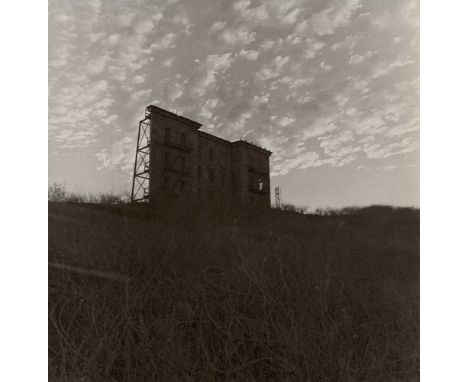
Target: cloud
point(144, 27)
point(383, 68)
point(175, 92)
point(319, 83)
point(356, 59)
point(241, 5)
point(141, 95)
point(299, 161)
point(312, 48)
point(326, 67)
point(274, 69)
point(239, 124)
point(292, 16)
point(218, 25)
point(269, 13)
point(119, 156)
point(126, 19)
point(214, 64)
point(328, 20)
point(249, 54)
point(286, 121)
point(240, 36)
point(167, 41)
point(331, 143)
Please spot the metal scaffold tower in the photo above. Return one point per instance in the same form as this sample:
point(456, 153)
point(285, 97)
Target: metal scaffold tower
point(278, 202)
point(141, 171)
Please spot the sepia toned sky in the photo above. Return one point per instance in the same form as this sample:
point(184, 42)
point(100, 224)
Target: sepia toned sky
point(331, 87)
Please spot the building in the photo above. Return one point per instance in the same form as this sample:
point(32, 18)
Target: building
point(181, 162)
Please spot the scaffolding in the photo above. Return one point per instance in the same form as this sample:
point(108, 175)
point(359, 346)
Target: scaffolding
point(141, 170)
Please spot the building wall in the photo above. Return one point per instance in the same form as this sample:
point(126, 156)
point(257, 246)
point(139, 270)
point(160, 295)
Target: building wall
point(172, 161)
point(186, 163)
point(214, 166)
point(251, 174)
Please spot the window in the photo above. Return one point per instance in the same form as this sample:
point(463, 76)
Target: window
point(211, 155)
point(223, 179)
point(182, 186)
point(260, 184)
point(211, 176)
point(167, 158)
point(199, 172)
point(222, 160)
point(183, 139)
point(182, 163)
point(167, 134)
point(166, 182)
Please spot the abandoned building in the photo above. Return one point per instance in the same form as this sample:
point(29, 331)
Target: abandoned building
point(175, 160)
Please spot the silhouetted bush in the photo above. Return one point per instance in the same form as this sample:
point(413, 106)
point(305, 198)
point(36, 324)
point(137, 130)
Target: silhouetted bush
point(59, 193)
point(368, 210)
point(292, 208)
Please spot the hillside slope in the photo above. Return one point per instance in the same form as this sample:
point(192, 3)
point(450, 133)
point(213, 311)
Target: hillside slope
point(213, 296)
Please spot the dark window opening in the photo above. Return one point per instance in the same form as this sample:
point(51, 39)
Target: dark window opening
point(167, 158)
point(211, 176)
point(183, 139)
point(222, 161)
point(182, 163)
point(182, 186)
point(166, 182)
point(199, 172)
point(223, 179)
point(211, 155)
point(167, 134)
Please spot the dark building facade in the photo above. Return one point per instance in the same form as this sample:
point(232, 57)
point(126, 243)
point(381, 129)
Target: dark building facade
point(188, 164)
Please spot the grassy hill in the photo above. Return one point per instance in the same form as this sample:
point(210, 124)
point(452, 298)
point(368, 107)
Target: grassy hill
point(217, 296)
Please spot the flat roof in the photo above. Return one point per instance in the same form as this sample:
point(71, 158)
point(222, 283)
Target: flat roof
point(213, 137)
point(251, 145)
point(197, 125)
point(155, 109)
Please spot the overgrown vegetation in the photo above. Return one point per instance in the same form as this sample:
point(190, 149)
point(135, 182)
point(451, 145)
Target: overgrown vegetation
point(59, 193)
point(217, 296)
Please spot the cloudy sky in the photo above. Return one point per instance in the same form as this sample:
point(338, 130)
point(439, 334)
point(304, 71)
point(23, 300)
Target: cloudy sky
point(330, 86)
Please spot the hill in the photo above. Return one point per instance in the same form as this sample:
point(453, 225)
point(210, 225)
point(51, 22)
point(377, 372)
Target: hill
point(212, 295)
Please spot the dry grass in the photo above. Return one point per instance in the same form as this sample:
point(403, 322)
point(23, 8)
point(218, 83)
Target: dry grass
point(214, 296)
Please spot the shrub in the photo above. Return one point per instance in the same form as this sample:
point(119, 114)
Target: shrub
point(292, 208)
point(57, 193)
